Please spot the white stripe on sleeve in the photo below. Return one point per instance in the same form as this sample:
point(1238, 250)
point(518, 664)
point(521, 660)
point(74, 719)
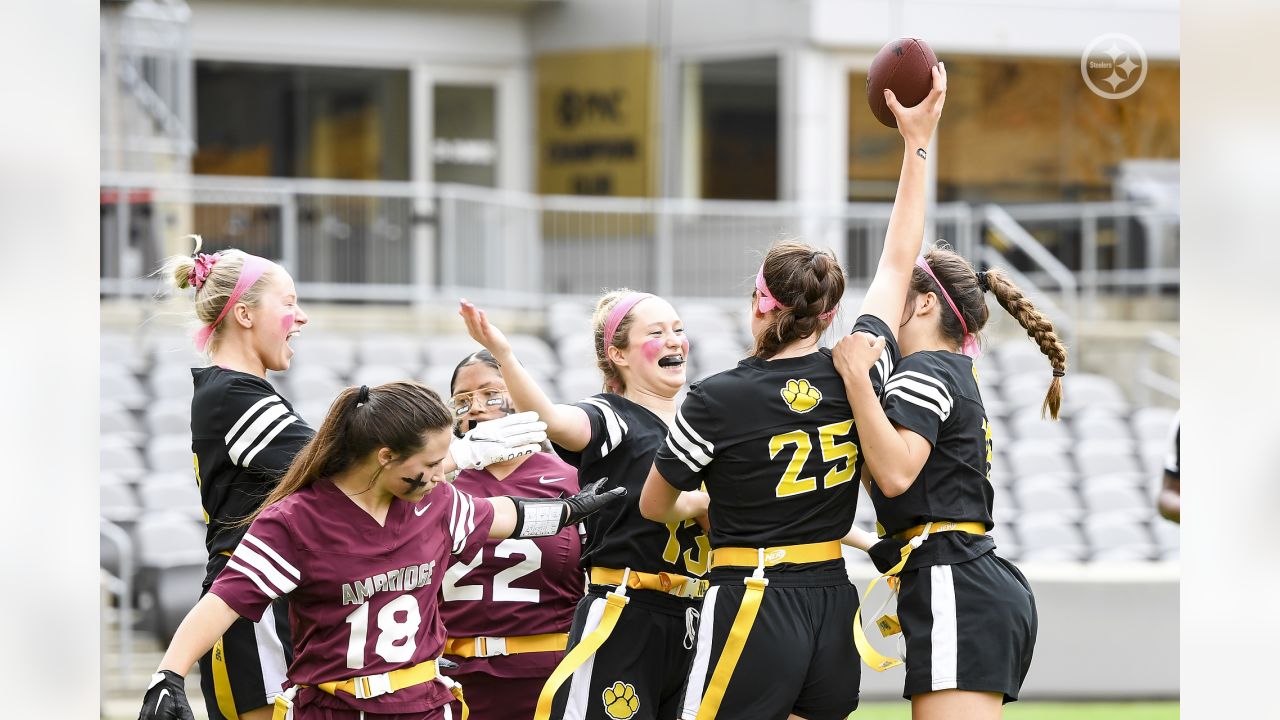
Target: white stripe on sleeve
point(284, 564)
point(255, 431)
point(687, 429)
point(917, 386)
point(680, 455)
point(695, 452)
point(908, 397)
point(247, 555)
point(248, 414)
point(270, 436)
point(615, 427)
point(232, 564)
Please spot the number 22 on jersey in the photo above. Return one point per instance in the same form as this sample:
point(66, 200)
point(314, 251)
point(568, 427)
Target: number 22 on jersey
point(454, 589)
point(832, 452)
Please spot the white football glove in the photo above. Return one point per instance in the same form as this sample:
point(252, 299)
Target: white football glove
point(494, 441)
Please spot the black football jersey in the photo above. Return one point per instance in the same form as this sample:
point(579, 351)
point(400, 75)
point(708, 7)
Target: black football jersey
point(775, 444)
point(624, 438)
point(935, 395)
point(244, 435)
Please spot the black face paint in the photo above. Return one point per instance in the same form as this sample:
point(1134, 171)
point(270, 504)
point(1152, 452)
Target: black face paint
point(415, 483)
point(505, 405)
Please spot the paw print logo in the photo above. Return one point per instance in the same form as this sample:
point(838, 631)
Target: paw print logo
point(801, 396)
point(620, 701)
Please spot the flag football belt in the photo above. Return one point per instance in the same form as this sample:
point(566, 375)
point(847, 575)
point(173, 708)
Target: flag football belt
point(483, 647)
point(678, 585)
point(887, 623)
point(615, 600)
point(371, 686)
point(760, 558)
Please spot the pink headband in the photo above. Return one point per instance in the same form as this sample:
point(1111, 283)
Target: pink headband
point(768, 302)
point(252, 269)
point(619, 311)
point(970, 347)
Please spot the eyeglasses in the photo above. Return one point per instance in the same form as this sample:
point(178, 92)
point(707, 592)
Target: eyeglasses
point(486, 396)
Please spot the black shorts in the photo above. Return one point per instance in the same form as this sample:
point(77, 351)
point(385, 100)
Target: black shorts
point(968, 626)
point(245, 670)
point(639, 672)
point(799, 658)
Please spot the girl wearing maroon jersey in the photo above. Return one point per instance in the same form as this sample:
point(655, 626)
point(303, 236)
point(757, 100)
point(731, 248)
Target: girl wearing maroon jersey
point(358, 535)
point(244, 434)
point(508, 611)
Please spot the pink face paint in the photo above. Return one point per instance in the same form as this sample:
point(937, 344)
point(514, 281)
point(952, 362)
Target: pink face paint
point(652, 349)
point(286, 324)
point(684, 346)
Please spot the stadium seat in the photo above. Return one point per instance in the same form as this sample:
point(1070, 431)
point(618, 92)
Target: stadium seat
point(533, 353)
point(1153, 424)
point(124, 350)
point(577, 351)
point(1103, 457)
point(448, 350)
point(579, 384)
point(1030, 457)
point(171, 382)
point(313, 382)
point(1136, 481)
point(1128, 499)
point(395, 350)
point(1027, 389)
point(1020, 355)
point(374, 375)
point(118, 503)
point(169, 453)
point(120, 457)
point(1106, 529)
point(566, 318)
point(1006, 538)
point(1049, 501)
point(710, 359)
point(707, 323)
point(118, 385)
point(114, 419)
point(171, 561)
point(1027, 424)
point(169, 477)
point(1087, 391)
point(1099, 425)
point(181, 497)
point(333, 352)
point(1153, 454)
point(1049, 538)
point(168, 416)
point(313, 411)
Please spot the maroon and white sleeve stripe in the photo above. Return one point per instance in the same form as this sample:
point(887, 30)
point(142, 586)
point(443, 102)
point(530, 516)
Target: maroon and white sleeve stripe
point(462, 520)
point(268, 570)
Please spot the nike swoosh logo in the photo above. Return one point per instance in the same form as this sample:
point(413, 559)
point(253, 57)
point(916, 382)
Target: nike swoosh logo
point(159, 700)
point(424, 509)
point(547, 480)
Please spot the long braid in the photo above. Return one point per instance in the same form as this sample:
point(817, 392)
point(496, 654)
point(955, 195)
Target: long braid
point(1039, 328)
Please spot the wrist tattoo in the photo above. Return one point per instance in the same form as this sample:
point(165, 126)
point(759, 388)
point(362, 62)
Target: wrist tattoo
point(921, 152)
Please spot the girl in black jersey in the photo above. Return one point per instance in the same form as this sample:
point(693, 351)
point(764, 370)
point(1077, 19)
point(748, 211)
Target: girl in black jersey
point(968, 616)
point(244, 434)
point(773, 441)
point(621, 665)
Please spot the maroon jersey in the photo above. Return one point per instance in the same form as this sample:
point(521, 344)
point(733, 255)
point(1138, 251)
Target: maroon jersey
point(363, 598)
point(516, 587)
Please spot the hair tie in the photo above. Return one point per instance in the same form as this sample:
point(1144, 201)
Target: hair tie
point(1059, 373)
point(200, 270)
point(982, 281)
point(767, 301)
point(363, 396)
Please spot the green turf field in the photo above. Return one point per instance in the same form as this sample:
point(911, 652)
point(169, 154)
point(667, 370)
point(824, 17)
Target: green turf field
point(1041, 711)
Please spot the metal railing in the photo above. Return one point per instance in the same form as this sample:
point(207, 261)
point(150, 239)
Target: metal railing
point(414, 243)
point(1160, 352)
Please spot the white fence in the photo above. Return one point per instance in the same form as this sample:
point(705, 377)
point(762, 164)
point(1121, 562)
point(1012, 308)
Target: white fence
point(407, 242)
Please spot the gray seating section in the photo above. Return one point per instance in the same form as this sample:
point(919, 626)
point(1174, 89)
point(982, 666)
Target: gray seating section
point(1101, 457)
point(395, 350)
point(1082, 488)
point(169, 453)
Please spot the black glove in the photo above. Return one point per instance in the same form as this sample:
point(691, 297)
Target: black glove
point(542, 517)
point(166, 698)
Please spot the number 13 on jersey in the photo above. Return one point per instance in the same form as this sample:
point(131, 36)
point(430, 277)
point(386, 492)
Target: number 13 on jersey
point(843, 454)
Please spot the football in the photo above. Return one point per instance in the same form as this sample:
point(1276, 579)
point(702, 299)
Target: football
point(905, 67)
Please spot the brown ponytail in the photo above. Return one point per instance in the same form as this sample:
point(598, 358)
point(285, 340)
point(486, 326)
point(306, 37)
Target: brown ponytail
point(810, 283)
point(966, 289)
point(1038, 328)
point(361, 420)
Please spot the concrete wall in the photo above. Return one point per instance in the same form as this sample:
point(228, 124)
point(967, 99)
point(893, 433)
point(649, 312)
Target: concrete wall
point(1107, 631)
